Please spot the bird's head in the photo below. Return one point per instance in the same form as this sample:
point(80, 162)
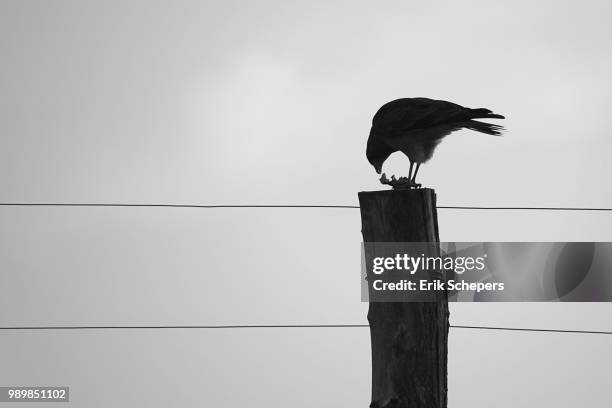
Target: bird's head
point(377, 151)
point(377, 163)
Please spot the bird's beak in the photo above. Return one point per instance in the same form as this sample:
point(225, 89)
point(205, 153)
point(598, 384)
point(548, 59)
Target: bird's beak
point(378, 170)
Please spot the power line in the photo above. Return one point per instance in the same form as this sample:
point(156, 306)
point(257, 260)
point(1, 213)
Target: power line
point(172, 205)
point(254, 326)
point(532, 330)
point(284, 326)
point(443, 207)
point(454, 207)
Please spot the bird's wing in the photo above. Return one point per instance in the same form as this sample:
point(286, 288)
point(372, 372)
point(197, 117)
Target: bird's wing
point(416, 113)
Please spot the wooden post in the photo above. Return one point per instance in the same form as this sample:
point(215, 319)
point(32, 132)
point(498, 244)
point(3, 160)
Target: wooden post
point(409, 340)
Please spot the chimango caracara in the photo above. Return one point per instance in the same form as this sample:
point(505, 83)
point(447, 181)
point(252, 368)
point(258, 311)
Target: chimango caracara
point(415, 126)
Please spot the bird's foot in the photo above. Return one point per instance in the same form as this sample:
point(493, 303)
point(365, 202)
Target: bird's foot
point(402, 183)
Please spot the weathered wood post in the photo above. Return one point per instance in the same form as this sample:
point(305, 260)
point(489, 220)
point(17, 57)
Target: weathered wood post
point(409, 339)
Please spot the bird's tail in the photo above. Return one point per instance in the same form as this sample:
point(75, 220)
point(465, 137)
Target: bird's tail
point(482, 113)
point(482, 127)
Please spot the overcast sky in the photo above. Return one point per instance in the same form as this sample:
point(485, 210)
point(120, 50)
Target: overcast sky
point(270, 102)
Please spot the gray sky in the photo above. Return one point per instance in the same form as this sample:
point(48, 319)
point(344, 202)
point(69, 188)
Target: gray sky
point(270, 102)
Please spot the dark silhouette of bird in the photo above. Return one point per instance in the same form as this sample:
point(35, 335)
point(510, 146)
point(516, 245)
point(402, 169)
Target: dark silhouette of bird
point(415, 126)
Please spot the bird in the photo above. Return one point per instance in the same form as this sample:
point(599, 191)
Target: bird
point(415, 126)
